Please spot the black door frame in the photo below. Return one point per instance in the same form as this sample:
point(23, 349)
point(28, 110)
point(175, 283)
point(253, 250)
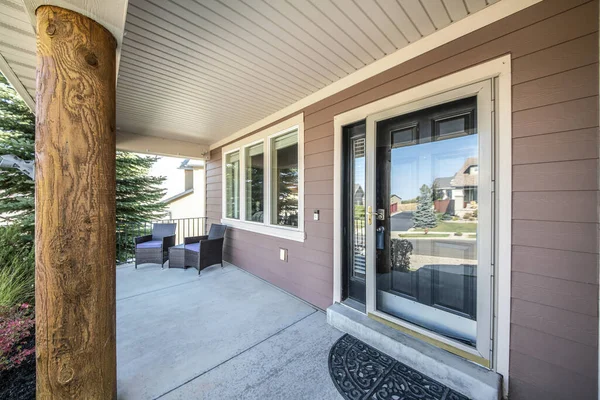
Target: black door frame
point(352, 289)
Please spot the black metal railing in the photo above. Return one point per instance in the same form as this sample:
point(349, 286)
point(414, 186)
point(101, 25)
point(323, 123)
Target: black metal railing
point(126, 233)
point(360, 246)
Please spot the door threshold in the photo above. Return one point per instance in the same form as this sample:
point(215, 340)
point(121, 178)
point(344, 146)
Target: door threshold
point(457, 373)
point(357, 305)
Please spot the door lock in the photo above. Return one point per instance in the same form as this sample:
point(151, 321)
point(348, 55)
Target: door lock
point(380, 214)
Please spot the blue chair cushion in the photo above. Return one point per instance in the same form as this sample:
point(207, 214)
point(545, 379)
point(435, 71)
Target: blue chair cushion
point(152, 244)
point(193, 247)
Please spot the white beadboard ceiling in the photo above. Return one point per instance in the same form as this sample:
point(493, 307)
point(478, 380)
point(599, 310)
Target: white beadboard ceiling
point(200, 70)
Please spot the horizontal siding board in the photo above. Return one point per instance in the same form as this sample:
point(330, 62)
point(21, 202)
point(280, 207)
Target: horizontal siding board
point(213, 217)
point(569, 85)
point(216, 186)
point(214, 179)
point(325, 216)
point(213, 201)
point(525, 390)
point(318, 187)
point(560, 352)
point(559, 382)
point(563, 57)
point(561, 146)
point(564, 176)
point(559, 264)
point(215, 194)
point(318, 173)
point(321, 244)
point(218, 171)
point(568, 116)
point(319, 145)
point(556, 206)
point(567, 295)
point(318, 201)
point(298, 250)
point(319, 229)
point(213, 207)
point(556, 235)
point(554, 321)
point(318, 132)
point(318, 160)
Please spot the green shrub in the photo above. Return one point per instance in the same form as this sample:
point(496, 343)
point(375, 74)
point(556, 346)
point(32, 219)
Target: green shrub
point(17, 269)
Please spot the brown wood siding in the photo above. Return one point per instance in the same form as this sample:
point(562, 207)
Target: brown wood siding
point(554, 326)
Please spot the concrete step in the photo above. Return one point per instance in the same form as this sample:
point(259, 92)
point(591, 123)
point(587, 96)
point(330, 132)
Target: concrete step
point(470, 379)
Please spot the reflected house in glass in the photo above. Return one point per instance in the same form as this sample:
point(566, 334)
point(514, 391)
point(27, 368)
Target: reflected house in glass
point(359, 195)
point(457, 194)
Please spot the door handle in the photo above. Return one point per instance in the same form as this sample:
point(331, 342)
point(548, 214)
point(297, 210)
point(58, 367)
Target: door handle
point(380, 214)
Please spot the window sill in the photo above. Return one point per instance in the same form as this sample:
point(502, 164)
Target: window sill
point(277, 231)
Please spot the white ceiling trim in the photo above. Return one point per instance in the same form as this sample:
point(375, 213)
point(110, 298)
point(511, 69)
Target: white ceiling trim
point(460, 28)
point(12, 78)
point(128, 141)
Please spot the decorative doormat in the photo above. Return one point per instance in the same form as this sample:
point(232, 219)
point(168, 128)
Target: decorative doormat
point(361, 372)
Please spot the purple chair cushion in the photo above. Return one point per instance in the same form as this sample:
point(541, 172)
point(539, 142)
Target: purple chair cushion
point(193, 246)
point(152, 244)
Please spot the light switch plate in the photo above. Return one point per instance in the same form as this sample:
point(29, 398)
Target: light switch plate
point(283, 254)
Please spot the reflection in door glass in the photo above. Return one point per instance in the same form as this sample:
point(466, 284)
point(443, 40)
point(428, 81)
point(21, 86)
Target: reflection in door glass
point(358, 199)
point(427, 177)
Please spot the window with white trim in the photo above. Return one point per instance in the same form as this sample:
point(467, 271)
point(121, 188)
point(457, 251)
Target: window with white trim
point(232, 186)
point(255, 181)
point(264, 181)
point(284, 179)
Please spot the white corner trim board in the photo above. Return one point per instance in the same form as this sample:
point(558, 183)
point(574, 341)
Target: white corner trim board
point(500, 69)
point(473, 22)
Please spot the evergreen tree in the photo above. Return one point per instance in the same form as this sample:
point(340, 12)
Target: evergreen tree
point(424, 216)
point(138, 194)
point(17, 137)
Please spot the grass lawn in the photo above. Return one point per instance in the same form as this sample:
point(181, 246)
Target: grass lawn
point(445, 226)
point(422, 235)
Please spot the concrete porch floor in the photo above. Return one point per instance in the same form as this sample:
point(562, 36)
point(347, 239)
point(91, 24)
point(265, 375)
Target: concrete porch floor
point(222, 335)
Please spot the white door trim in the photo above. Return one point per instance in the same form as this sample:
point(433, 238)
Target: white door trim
point(501, 69)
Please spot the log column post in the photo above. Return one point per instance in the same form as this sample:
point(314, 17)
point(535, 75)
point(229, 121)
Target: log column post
point(75, 207)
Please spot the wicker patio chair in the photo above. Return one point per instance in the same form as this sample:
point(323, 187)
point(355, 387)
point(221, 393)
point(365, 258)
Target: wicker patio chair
point(154, 248)
point(207, 250)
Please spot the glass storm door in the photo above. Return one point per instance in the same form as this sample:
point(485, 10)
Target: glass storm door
point(430, 224)
point(354, 213)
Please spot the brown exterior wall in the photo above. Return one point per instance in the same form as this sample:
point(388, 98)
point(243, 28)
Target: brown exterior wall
point(554, 326)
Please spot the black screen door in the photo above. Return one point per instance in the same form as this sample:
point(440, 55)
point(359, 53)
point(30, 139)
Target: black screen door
point(354, 219)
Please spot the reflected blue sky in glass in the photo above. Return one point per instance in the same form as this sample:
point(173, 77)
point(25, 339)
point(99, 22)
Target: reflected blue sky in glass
point(414, 166)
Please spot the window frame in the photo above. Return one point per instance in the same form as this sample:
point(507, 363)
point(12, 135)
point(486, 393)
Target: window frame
point(266, 137)
point(243, 182)
point(225, 185)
